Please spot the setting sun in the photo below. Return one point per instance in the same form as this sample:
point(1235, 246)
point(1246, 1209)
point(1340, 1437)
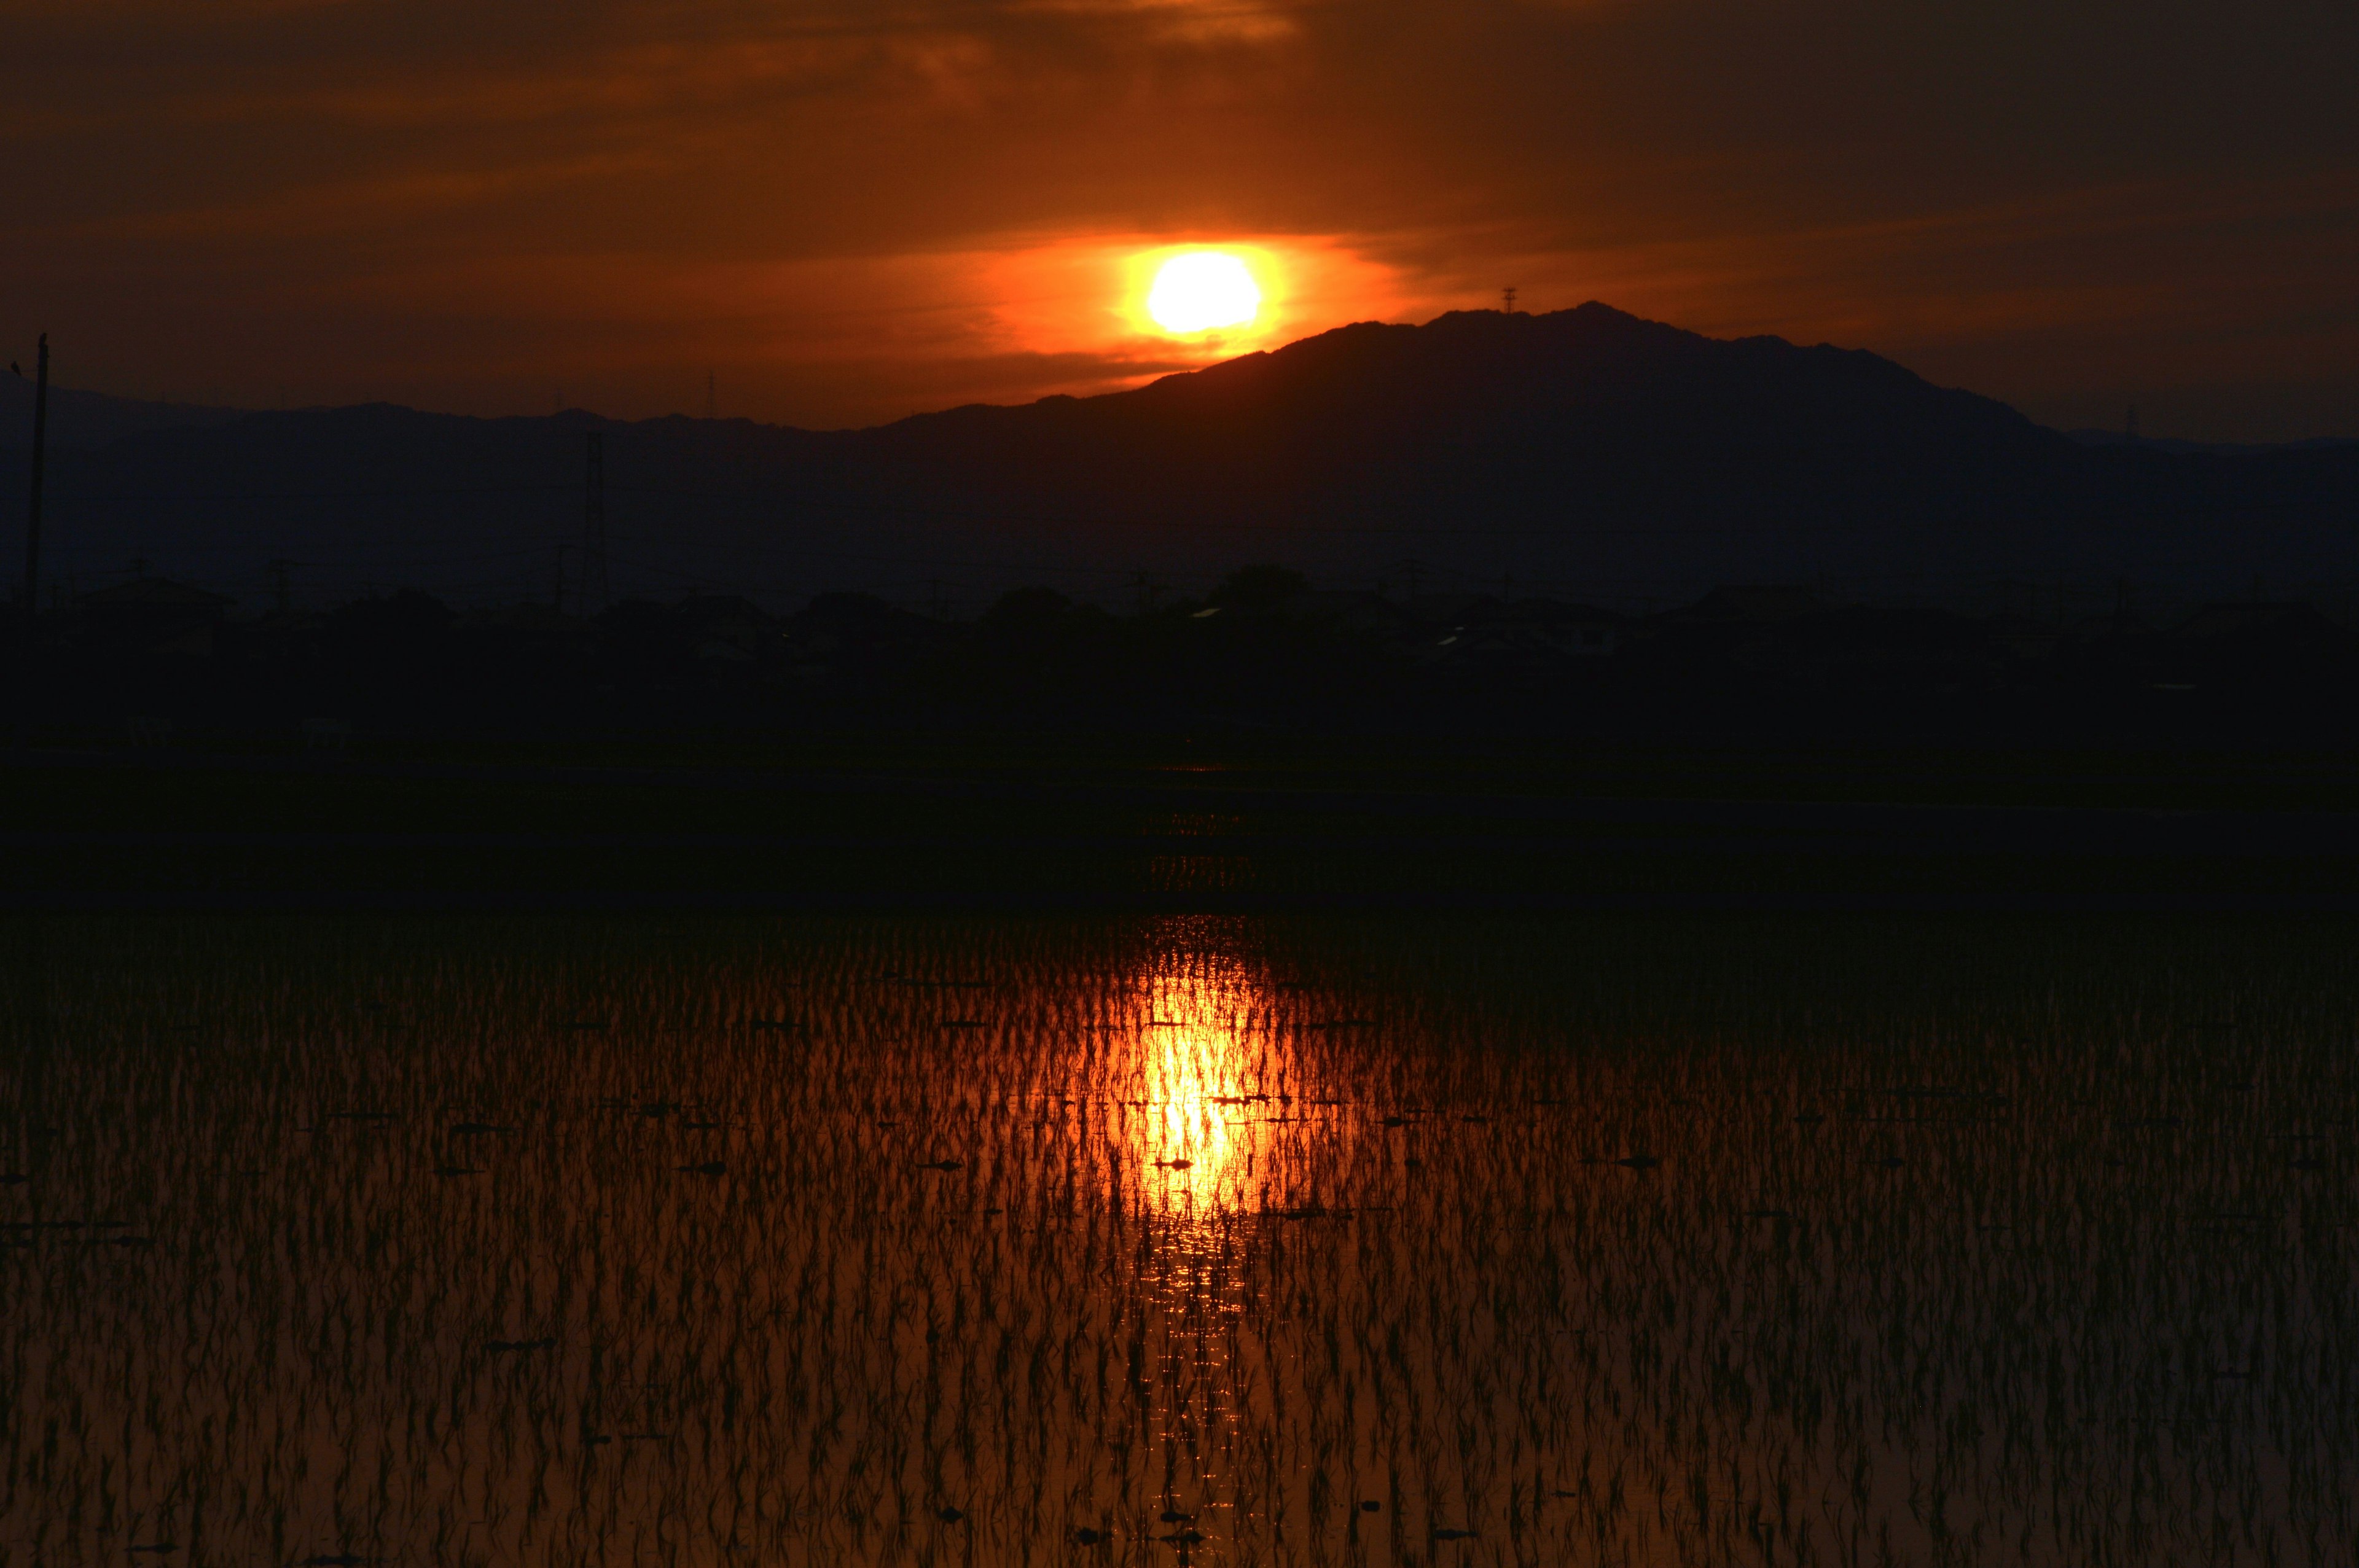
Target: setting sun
point(1199, 290)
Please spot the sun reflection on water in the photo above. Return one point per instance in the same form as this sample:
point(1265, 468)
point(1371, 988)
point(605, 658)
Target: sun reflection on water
point(1204, 1052)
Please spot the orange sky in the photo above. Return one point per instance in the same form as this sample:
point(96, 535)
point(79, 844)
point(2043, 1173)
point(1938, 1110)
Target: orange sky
point(848, 212)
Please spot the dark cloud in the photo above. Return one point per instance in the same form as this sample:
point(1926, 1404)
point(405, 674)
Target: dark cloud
point(2068, 205)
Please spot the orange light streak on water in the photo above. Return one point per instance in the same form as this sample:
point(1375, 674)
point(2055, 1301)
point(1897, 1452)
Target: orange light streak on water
point(1201, 1058)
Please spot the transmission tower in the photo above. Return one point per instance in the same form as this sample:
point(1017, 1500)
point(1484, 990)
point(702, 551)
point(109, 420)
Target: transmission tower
point(1145, 593)
point(593, 529)
point(1507, 300)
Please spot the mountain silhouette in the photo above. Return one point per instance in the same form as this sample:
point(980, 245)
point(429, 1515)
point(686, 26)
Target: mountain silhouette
point(81, 420)
point(1587, 449)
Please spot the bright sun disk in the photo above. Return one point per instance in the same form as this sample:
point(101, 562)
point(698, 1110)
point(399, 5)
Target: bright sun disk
point(1202, 289)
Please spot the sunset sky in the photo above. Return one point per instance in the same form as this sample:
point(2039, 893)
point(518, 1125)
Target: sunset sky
point(848, 212)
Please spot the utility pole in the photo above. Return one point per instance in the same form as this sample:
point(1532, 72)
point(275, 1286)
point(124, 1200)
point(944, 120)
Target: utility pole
point(1145, 593)
point(593, 529)
point(33, 510)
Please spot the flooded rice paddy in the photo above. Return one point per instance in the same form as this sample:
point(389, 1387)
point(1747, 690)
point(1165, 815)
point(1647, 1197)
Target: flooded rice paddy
point(1187, 1240)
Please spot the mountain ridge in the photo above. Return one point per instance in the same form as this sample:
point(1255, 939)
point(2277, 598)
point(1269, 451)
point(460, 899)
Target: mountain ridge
point(1587, 447)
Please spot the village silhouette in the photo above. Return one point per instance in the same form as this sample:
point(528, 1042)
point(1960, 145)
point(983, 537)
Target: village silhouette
point(1264, 653)
point(1576, 526)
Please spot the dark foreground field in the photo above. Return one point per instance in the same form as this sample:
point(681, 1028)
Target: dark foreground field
point(1409, 1240)
point(878, 824)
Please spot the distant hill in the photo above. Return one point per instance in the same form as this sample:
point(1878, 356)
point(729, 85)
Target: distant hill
point(88, 420)
point(2215, 449)
point(1587, 451)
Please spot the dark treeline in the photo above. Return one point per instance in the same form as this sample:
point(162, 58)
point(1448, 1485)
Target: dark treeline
point(1265, 652)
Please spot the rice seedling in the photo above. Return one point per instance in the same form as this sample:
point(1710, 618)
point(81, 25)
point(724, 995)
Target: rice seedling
point(1216, 1241)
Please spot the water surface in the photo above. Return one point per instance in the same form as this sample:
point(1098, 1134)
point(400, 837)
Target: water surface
point(1206, 1239)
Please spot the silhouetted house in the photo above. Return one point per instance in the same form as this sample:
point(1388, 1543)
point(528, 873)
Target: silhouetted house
point(1453, 609)
point(2020, 638)
point(400, 642)
point(851, 639)
point(2256, 643)
point(2286, 621)
point(1356, 610)
point(725, 629)
point(151, 615)
point(1748, 605)
point(529, 619)
point(2010, 598)
point(530, 636)
point(1880, 648)
point(1256, 590)
point(1528, 635)
point(1573, 631)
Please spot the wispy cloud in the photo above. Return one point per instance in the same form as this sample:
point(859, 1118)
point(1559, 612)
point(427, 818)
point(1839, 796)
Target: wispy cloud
point(877, 193)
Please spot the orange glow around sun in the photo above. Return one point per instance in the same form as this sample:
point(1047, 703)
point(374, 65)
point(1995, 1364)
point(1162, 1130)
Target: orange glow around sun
point(1090, 304)
point(1218, 297)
